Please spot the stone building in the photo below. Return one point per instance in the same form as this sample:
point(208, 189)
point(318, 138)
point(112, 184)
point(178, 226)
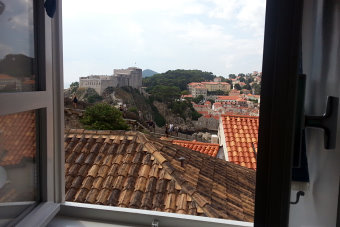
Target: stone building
point(122, 77)
point(98, 83)
point(131, 77)
point(202, 88)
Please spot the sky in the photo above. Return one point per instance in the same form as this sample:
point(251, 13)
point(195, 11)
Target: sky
point(218, 36)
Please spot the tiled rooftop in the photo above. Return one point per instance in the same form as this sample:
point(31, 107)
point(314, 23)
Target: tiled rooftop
point(241, 133)
point(131, 169)
point(6, 77)
point(17, 138)
point(227, 98)
point(205, 148)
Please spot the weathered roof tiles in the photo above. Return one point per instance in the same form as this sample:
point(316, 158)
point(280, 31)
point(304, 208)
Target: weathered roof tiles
point(130, 169)
point(17, 138)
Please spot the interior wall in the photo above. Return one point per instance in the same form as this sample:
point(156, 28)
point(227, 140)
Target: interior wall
point(321, 64)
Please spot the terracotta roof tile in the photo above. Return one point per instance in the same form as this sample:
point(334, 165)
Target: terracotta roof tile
point(17, 138)
point(241, 134)
point(205, 148)
point(138, 171)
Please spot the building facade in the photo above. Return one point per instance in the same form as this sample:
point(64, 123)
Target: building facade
point(131, 77)
point(202, 88)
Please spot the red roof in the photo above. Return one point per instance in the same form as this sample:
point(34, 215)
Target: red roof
point(6, 77)
point(29, 82)
point(17, 138)
point(241, 135)
point(203, 112)
point(227, 98)
point(193, 83)
point(217, 117)
point(205, 148)
point(223, 83)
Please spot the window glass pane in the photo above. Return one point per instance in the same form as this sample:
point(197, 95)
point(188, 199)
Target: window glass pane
point(18, 166)
point(17, 46)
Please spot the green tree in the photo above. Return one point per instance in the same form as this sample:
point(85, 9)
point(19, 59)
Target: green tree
point(250, 80)
point(185, 92)
point(247, 86)
point(242, 80)
point(165, 93)
point(237, 87)
point(133, 109)
point(218, 92)
point(178, 78)
point(257, 89)
point(91, 96)
point(232, 76)
point(102, 116)
point(74, 87)
point(198, 99)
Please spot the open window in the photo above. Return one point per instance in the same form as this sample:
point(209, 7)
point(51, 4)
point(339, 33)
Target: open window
point(35, 101)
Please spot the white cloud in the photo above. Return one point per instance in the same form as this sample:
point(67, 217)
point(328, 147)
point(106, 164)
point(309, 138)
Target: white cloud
point(252, 16)
point(224, 9)
point(221, 36)
point(248, 14)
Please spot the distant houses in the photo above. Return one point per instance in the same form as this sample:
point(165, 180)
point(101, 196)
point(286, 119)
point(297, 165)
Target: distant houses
point(202, 88)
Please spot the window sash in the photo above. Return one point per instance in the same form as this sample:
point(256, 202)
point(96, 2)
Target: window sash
point(49, 120)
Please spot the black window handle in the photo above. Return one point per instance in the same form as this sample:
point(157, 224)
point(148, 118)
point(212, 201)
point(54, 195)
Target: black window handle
point(328, 122)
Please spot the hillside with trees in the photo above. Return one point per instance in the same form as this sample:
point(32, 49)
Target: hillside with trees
point(169, 85)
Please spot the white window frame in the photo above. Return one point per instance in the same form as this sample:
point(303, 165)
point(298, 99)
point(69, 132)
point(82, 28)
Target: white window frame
point(49, 104)
point(52, 178)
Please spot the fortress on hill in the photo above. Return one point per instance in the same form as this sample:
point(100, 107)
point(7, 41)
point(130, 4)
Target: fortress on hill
point(131, 76)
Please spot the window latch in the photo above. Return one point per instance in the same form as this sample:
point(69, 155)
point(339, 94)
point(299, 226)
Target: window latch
point(328, 122)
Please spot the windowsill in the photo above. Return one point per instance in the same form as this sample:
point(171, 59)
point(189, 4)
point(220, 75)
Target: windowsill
point(92, 215)
point(41, 215)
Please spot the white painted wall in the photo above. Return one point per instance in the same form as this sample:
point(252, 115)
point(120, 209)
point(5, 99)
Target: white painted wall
point(221, 138)
point(321, 58)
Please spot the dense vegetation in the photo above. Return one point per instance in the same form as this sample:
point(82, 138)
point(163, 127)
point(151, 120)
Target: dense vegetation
point(178, 78)
point(218, 92)
point(133, 98)
point(164, 93)
point(92, 96)
point(184, 109)
point(102, 116)
point(74, 87)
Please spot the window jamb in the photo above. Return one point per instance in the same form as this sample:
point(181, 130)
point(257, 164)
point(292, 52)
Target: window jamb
point(277, 112)
point(41, 100)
